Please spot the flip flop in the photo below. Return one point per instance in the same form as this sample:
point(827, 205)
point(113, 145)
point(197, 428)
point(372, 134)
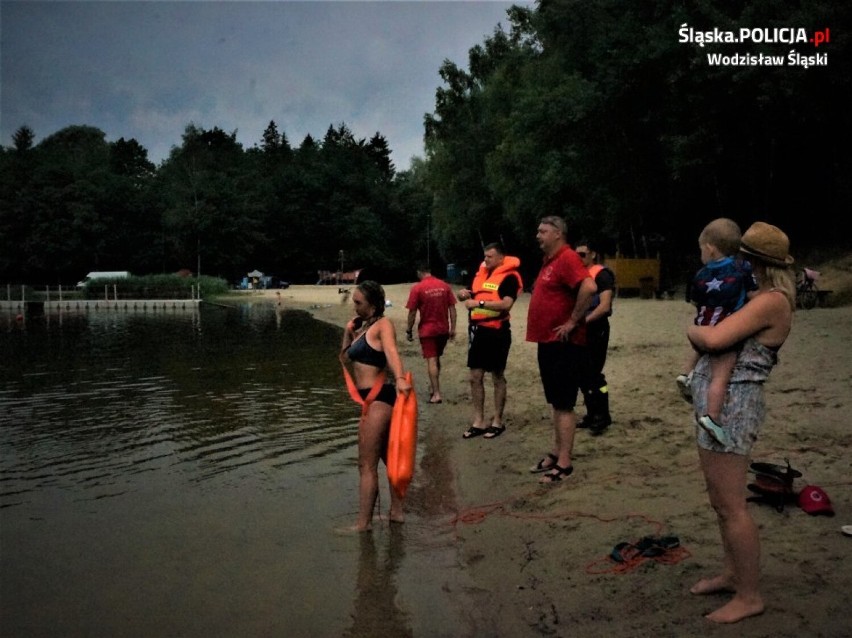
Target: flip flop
point(557, 474)
point(541, 467)
point(650, 547)
point(624, 552)
point(847, 530)
point(472, 432)
point(493, 431)
point(647, 547)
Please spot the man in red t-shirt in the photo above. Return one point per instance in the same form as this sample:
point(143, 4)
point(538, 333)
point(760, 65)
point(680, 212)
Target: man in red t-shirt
point(436, 303)
point(562, 293)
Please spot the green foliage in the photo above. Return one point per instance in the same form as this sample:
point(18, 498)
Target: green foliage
point(155, 287)
point(213, 218)
point(23, 139)
point(594, 110)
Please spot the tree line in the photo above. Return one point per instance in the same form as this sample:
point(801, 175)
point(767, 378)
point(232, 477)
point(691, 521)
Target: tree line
point(76, 203)
point(592, 109)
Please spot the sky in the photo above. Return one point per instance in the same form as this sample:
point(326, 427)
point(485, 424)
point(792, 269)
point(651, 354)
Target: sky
point(145, 69)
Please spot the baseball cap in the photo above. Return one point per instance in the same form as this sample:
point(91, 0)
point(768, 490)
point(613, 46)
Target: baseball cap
point(814, 500)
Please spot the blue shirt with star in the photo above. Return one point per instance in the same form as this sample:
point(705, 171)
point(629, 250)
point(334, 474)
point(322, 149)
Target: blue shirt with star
point(720, 288)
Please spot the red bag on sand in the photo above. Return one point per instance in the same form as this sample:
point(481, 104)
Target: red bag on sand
point(402, 440)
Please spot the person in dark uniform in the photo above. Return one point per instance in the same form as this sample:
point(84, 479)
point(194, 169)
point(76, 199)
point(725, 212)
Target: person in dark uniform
point(594, 387)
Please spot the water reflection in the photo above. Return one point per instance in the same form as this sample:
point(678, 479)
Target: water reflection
point(377, 612)
point(179, 473)
point(88, 401)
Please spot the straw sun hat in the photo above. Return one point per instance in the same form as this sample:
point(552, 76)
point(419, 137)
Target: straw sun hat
point(768, 243)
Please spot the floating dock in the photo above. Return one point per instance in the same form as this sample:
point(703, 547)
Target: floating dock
point(106, 305)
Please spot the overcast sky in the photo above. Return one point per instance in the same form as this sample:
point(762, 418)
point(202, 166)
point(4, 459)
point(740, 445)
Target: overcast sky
point(145, 69)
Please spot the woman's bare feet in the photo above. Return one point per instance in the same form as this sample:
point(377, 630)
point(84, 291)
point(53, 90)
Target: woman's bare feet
point(352, 529)
point(736, 610)
point(713, 585)
point(396, 516)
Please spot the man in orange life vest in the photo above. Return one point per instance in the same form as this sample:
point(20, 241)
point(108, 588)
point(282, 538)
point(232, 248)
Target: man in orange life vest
point(594, 387)
point(495, 288)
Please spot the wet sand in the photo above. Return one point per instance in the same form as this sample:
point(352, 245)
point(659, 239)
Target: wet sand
point(535, 559)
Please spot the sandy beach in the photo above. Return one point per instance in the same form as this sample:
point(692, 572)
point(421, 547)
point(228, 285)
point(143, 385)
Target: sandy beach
point(539, 555)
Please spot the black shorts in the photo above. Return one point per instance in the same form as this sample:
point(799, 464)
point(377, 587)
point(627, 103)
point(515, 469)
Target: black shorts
point(386, 395)
point(488, 348)
point(562, 368)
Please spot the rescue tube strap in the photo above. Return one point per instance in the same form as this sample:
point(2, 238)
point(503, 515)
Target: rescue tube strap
point(374, 391)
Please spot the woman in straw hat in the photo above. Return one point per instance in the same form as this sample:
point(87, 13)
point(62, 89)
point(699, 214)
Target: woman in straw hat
point(759, 328)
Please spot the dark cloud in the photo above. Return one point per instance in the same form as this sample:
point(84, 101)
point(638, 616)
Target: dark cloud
point(147, 69)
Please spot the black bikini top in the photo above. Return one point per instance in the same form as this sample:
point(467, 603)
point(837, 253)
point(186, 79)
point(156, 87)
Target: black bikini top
point(363, 352)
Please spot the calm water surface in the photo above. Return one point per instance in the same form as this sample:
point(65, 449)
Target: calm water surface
point(181, 474)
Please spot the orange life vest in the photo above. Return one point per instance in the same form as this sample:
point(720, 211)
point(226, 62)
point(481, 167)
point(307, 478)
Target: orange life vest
point(486, 287)
point(594, 270)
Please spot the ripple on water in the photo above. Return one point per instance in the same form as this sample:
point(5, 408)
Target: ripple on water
point(103, 408)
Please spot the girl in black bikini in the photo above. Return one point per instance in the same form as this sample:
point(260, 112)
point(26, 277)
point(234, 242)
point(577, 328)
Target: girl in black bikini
point(369, 344)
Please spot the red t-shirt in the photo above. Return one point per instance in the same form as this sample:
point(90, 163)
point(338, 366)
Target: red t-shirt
point(432, 298)
point(554, 295)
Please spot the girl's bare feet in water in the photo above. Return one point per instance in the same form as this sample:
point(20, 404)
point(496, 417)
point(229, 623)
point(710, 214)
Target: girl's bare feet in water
point(736, 610)
point(396, 517)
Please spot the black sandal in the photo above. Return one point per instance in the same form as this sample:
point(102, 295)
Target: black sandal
point(541, 467)
point(557, 474)
point(493, 431)
point(473, 431)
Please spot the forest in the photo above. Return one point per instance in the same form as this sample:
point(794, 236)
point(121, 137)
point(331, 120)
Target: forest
point(594, 110)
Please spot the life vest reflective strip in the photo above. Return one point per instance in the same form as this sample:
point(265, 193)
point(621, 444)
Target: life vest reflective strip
point(486, 288)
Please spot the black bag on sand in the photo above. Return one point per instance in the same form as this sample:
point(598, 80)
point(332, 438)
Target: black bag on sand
point(773, 484)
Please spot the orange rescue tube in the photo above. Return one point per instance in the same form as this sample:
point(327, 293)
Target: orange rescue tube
point(402, 440)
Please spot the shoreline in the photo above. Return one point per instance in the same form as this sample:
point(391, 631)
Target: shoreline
point(538, 555)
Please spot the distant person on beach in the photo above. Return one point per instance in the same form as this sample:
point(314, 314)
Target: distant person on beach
point(436, 303)
point(594, 386)
point(719, 288)
point(759, 329)
point(488, 300)
point(369, 344)
point(561, 296)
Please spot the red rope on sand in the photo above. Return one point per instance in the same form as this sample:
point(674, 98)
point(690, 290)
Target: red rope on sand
point(632, 560)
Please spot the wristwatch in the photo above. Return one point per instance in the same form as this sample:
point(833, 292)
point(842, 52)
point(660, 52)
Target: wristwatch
point(481, 304)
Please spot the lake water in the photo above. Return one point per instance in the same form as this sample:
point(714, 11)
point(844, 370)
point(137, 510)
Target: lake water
point(181, 473)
